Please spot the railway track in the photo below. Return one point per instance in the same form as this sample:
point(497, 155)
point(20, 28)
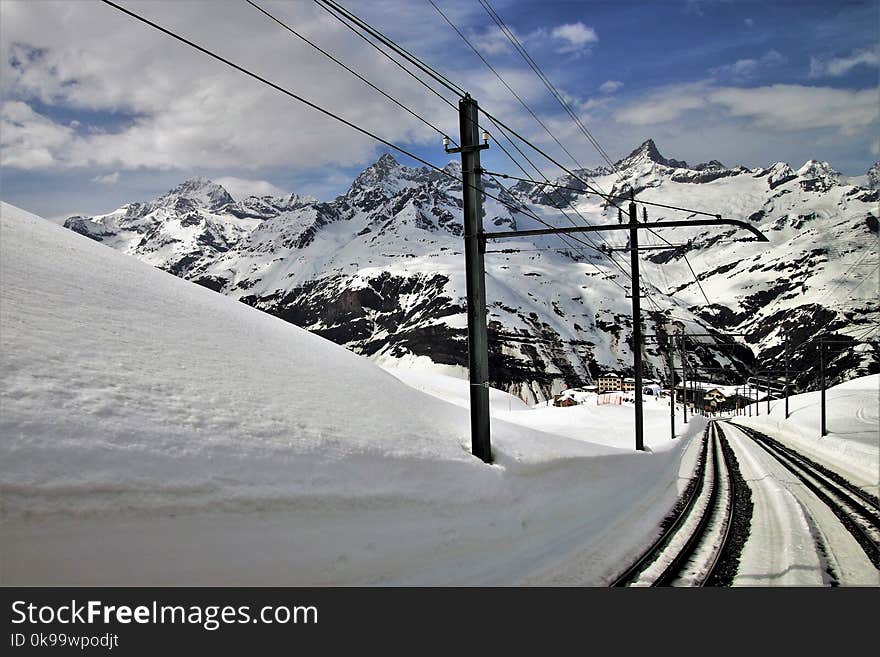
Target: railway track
point(857, 510)
point(692, 546)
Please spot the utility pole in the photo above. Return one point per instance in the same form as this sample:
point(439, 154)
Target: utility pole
point(757, 394)
point(475, 273)
point(671, 388)
point(822, 383)
point(637, 319)
point(767, 389)
point(787, 354)
point(684, 383)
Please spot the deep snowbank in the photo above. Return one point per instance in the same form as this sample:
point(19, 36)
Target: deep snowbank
point(852, 446)
point(153, 431)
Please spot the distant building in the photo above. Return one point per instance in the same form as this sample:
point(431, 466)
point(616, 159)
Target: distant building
point(564, 402)
point(714, 399)
point(715, 396)
point(629, 385)
point(608, 383)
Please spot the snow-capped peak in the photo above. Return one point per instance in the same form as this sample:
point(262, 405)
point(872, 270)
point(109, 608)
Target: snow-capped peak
point(779, 173)
point(816, 169)
point(648, 152)
point(709, 166)
point(453, 168)
point(201, 191)
point(293, 200)
point(381, 168)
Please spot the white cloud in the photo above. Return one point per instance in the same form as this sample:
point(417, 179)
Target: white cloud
point(491, 42)
point(108, 179)
point(171, 107)
point(174, 108)
point(875, 146)
point(29, 140)
point(797, 107)
point(610, 86)
point(664, 105)
point(746, 68)
point(750, 22)
point(837, 66)
point(575, 37)
point(780, 107)
point(241, 188)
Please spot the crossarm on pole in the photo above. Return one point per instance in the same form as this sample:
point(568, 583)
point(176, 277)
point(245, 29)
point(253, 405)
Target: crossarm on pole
point(497, 235)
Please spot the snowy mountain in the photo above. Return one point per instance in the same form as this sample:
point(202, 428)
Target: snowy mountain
point(380, 268)
point(816, 278)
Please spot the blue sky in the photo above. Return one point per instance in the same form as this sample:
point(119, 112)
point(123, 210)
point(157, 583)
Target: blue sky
point(98, 110)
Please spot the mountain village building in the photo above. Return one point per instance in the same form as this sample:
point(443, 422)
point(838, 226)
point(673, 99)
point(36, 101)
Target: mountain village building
point(609, 382)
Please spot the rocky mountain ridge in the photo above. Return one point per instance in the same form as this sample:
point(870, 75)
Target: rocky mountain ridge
point(379, 269)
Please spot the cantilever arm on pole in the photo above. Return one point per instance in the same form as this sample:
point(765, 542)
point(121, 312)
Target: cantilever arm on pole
point(759, 236)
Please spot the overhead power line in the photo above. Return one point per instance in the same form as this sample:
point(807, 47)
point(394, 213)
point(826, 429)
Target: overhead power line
point(433, 73)
point(269, 83)
point(610, 257)
point(384, 53)
point(343, 65)
point(446, 81)
point(565, 239)
point(517, 208)
point(520, 48)
point(609, 197)
point(364, 25)
point(592, 244)
point(373, 31)
point(506, 85)
point(517, 44)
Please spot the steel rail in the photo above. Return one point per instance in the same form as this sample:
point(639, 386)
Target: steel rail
point(852, 515)
point(657, 546)
point(712, 439)
point(732, 501)
point(674, 569)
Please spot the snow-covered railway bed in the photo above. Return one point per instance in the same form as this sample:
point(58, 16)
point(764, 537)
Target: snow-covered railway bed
point(694, 545)
point(810, 526)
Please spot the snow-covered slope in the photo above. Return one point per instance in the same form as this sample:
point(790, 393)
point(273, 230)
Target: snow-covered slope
point(145, 376)
point(155, 432)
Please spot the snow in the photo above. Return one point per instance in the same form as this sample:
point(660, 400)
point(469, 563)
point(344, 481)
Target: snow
point(852, 446)
point(612, 425)
point(155, 432)
point(794, 538)
point(452, 389)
